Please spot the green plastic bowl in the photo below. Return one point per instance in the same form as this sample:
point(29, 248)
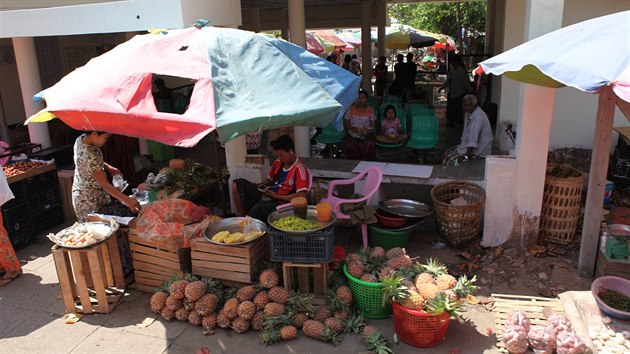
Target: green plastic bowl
point(368, 297)
point(388, 239)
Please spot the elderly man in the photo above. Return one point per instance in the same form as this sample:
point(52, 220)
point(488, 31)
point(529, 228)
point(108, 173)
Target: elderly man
point(476, 138)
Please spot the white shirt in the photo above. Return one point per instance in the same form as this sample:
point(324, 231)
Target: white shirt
point(477, 134)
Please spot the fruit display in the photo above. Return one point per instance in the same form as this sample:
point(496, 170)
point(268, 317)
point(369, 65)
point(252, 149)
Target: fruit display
point(608, 340)
point(293, 223)
point(115, 207)
point(17, 168)
point(235, 237)
point(515, 339)
point(82, 235)
point(184, 178)
point(542, 339)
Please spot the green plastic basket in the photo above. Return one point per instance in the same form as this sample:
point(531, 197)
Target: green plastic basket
point(388, 239)
point(368, 297)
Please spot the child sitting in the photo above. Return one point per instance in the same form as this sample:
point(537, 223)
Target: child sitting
point(391, 129)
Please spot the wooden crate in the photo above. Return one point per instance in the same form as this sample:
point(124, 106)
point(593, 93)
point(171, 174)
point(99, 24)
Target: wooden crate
point(230, 263)
point(32, 172)
point(535, 308)
point(306, 278)
point(91, 279)
point(605, 266)
point(155, 262)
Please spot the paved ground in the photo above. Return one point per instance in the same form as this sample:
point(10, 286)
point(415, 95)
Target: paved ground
point(31, 313)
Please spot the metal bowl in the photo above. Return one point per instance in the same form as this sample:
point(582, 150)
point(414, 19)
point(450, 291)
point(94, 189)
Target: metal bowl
point(102, 231)
point(406, 207)
point(619, 230)
point(231, 225)
point(617, 284)
point(311, 215)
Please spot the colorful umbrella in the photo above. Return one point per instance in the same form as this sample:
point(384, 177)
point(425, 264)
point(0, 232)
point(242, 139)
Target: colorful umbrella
point(243, 83)
point(313, 44)
point(402, 37)
point(350, 37)
point(331, 38)
point(556, 59)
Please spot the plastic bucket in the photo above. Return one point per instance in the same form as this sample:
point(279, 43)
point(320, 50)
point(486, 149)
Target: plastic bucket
point(387, 238)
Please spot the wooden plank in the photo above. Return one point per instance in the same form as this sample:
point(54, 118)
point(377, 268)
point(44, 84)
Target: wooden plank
point(152, 268)
point(287, 275)
point(223, 274)
point(165, 246)
point(154, 252)
point(205, 246)
point(85, 265)
point(116, 264)
point(245, 268)
point(202, 256)
point(82, 289)
point(303, 280)
point(149, 275)
point(108, 270)
point(150, 282)
point(144, 288)
point(596, 181)
point(95, 257)
point(32, 172)
point(154, 260)
point(66, 283)
point(320, 279)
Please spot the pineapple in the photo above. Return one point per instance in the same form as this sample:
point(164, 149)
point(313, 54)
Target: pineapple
point(274, 309)
point(424, 278)
point(209, 322)
point(354, 324)
point(465, 286)
point(246, 310)
point(195, 290)
point(194, 318)
point(246, 293)
point(369, 278)
point(270, 336)
point(167, 314)
point(298, 302)
point(268, 278)
point(369, 330)
point(231, 308)
point(298, 319)
point(322, 313)
point(207, 304)
point(158, 301)
point(385, 272)
point(441, 303)
point(445, 281)
point(395, 253)
point(378, 253)
point(178, 289)
point(182, 314)
point(189, 305)
point(356, 269)
point(428, 290)
point(451, 294)
point(240, 325)
point(375, 342)
point(344, 294)
point(409, 284)
point(261, 299)
point(278, 294)
point(222, 320)
point(435, 267)
point(399, 262)
point(342, 315)
point(413, 301)
point(173, 303)
point(335, 324)
point(353, 257)
point(258, 321)
point(288, 333)
point(317, 330)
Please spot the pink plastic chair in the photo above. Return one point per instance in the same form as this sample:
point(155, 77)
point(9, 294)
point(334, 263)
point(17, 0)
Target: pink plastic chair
point(373, 176)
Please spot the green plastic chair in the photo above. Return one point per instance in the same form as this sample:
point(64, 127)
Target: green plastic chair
point(373, 102)
point(330, 135)
point(424, 132)
point(418, 109)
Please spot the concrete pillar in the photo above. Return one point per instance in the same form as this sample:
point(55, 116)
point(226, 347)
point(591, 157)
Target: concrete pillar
point(235, 151)
point(284, 24)
point(255, 18)
point(366, 49)
point(381, 18)
point(30, 84)
point(297, 28)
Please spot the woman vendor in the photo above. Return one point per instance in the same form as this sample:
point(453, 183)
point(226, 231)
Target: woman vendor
point(91, 189)
point(10, 267)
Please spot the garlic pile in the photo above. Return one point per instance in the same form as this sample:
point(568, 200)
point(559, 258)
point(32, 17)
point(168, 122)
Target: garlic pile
point(607, 341)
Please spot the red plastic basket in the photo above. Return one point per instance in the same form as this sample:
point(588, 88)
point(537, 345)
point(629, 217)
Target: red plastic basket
point(418, 328)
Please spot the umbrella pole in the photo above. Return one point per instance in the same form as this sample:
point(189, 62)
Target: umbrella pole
point(596, 182)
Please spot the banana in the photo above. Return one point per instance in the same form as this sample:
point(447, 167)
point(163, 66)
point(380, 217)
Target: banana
point(220, 236)
point(235, 237)
point(252, 235)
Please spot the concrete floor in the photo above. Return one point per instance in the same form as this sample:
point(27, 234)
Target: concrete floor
point(31, 313)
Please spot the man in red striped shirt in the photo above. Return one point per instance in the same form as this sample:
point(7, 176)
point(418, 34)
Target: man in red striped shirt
point(288, 178)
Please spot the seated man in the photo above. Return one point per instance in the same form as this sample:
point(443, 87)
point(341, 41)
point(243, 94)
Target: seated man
point(288, 178)
point(476, 137)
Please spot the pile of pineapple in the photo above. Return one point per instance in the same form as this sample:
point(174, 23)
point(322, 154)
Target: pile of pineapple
point(415, 286)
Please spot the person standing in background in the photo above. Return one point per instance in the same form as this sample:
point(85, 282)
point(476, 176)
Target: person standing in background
point(458, 85)
point(380, 72)
point(9, 263)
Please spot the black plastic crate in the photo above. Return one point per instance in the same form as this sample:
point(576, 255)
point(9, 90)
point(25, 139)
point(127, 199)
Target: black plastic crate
point(42, 182)
point(46, 210)
point(18, 223)
point(620, 166)
point(62, 154)
point(19, 192)
point(623, 148)
point(315, 247)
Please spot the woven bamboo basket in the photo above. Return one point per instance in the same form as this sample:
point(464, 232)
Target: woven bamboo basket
point(562, 198)
point(458, 224)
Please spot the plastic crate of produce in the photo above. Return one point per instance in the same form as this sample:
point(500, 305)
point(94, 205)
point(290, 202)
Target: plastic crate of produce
point(18, 223)
point(46, 210)
point(42, 182)
point(315, 247)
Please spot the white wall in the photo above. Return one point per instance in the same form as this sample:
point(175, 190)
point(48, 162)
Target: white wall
point(11, 97)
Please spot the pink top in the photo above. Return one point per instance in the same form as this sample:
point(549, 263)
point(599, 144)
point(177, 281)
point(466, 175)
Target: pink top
point(389, 127)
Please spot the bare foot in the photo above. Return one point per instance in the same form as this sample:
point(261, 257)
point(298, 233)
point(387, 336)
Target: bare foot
point(8, 277)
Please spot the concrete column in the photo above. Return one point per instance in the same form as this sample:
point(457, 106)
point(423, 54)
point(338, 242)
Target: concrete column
point(366, 49)
point(284, 24)
point(235, 151)
point(381, 18)
point(30, 84)
point(297, 28)
point(255, 18)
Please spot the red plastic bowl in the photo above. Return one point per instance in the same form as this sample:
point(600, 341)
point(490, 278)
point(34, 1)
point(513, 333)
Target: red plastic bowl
point(390, 220)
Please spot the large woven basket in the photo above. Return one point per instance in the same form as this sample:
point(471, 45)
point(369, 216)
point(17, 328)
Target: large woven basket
point(562, 198)
point(458, 224)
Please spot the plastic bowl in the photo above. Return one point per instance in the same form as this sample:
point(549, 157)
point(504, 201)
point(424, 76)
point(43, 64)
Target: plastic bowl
point(617, 284)
point(388, 219)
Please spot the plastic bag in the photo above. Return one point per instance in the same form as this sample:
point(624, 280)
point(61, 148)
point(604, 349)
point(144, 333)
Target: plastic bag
point(251, 229)
point(119, 182)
